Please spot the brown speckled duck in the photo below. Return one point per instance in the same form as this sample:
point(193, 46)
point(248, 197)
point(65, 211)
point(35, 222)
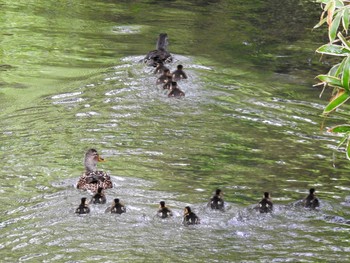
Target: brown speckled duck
point(93, 179)
point(160, 54)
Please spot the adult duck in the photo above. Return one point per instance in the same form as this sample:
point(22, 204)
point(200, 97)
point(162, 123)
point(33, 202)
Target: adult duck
point(92, 179)
point(161, 53)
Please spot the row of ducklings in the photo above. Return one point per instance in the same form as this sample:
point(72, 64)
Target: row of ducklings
point(189, 217)
point(117, 207)
point(158, 58)
point(169, 79)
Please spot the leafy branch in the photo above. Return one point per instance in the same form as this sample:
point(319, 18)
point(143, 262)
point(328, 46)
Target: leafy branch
point(336, 14)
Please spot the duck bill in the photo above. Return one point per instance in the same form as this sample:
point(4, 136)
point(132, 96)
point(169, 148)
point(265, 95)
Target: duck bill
point(100, 159)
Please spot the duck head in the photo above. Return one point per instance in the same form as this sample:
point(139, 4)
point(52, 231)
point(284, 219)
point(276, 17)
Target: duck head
point(91, 159)
point(83, 201)
point(187, 210)
point(162, 42)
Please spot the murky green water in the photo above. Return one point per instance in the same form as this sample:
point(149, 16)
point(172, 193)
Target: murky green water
point(70, 79)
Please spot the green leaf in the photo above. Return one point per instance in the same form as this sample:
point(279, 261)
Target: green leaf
point(348, 149)
point(322, 21)
point(332, 33)
point(337, 102)
point(339, 3)
point(346, 74)
point(332, 81)
point(346, 19)
point(344, 139)
point(340, 128)
point(334, 50)
point(344, 41)
point(335, 70)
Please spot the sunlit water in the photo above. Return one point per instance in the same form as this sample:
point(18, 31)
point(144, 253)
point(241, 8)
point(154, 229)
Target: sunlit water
point(250, 122)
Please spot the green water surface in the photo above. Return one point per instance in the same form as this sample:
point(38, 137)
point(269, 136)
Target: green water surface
point(71, 79)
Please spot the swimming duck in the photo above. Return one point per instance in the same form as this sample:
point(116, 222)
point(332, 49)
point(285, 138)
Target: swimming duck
point(164, 211)
point(165, 78)
point(160, 68)
point(174, 91)
point(93, 179)
point(190, 218)
point(179, 74)
point(99, 197)
point(311, 200)
point(83, 208)
point(160, 54)
point(217, 202)
point(116, 207)
point(265, 205)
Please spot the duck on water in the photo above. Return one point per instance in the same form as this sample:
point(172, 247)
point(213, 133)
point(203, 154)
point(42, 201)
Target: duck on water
point(93, 179)
point(160, 54)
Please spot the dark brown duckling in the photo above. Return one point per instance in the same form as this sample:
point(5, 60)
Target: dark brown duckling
point(164, 211)
point(179, 74)
point(165, 78)
point(265, 205)
point(217, 202)
point(174, 91)
point(160, 68)
point(190, 218)
point(99, 197)
point(83, 208)
point(311, 200)
point(116, 207)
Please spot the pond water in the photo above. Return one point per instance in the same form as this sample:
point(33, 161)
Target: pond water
point(71, 79)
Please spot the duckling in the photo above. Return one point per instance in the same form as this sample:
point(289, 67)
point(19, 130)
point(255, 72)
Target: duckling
point(164, 78)
point(160, 68)
point(116, 207)
point(265, 205)
point(179, 74)
point(190, 218)
point(160, 54)
point(175, 91)
point(164, 211)
point(217, 202)
point(311, 200)
point(99, 197)
point(83, 208)
point(93, 179)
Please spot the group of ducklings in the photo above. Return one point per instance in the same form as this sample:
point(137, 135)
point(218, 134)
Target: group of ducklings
point(189, 217)
point(99, 198)
point(266, 205)
point(97, 181)
point(158, 58)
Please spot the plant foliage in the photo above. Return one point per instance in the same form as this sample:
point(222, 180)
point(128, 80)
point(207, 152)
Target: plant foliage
point(336, 15)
